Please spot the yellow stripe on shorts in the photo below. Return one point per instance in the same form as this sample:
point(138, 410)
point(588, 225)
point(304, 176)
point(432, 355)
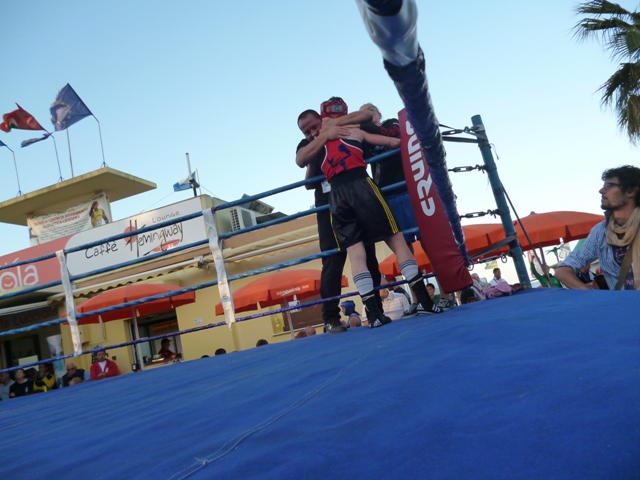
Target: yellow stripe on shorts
point(390, 217)
point(333, 231)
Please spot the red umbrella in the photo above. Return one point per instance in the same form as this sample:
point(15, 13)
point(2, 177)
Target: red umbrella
point(477, 238)
point(129, 293)
point(552, 228)
point(277, 288)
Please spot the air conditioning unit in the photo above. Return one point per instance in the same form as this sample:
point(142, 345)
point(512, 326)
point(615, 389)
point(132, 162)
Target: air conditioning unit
point(241, 218)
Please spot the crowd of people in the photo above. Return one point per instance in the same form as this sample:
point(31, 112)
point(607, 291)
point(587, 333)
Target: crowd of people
point(29, 381)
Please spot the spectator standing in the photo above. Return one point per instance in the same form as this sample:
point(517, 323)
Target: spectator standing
point(614, 241)
point(5, 385)
point(103, 367)
point(22, 385)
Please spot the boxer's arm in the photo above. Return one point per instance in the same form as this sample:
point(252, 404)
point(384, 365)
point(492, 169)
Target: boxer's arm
point(381, 140)
point(355, 118)
point(307, 154)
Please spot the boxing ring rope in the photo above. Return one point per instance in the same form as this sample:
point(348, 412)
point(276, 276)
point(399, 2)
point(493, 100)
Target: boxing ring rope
point(199, 244)
point(395, 34)
point(169, 222)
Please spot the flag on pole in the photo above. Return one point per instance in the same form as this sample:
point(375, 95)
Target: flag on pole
point(186, 183)
point(67, 108)
point(2, 144)
point(31, 141)
point(19, 119)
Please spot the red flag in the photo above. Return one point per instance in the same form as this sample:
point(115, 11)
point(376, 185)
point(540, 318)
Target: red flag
point(20, 119)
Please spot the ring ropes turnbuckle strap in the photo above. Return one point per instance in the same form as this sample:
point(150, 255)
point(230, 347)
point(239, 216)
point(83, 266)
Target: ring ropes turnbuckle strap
point(218, 258)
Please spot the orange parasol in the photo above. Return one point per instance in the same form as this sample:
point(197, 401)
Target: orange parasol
point(477, 238)
point(277, 288)
point(552, 228)
point(130, 293)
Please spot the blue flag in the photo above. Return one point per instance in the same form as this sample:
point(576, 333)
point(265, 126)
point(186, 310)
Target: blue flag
point(2, 144)
point(186, 183)
point(31, 141)
point(67, 108)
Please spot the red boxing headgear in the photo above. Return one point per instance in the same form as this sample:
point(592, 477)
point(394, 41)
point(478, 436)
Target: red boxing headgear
point(333, 108)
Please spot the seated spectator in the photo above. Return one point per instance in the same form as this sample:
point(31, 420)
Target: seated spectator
point(501, 289)
point(261, 342)
point(585, 275)
point(546, 279)
point(5, 385)
point(397, 288)
point(310, 331)
point(22, 386)
point(349, 310)
point(220, 351)
point(395, 305)
point(600, 282)
point(431, 290)
point(45, 380)
point(74, 372)
point(497, 278)
point(477, 286)
point(75, 381)
point(103, 367)
point(30, 374)
point(468, 296)
point(301, 334)
point(164, 350)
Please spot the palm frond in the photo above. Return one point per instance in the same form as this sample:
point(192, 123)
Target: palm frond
point(619, 30)
point(632, 119)
point(602, 7)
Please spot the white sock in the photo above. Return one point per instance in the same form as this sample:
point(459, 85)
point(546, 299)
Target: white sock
point(409, 269)
point(364, 282)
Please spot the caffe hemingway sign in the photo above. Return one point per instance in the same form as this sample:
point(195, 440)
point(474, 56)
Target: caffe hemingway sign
point(108, 253)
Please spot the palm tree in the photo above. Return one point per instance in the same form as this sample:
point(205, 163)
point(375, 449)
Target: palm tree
point(620, 31)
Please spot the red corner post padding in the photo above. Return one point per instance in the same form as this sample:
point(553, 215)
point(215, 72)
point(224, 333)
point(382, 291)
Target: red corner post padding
point(437, 237)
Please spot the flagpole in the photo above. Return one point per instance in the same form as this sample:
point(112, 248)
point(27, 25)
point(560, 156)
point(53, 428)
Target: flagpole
point(55, 147)
point(69, 145)
point(191, 182)
point(15, 164)
point(104, 162)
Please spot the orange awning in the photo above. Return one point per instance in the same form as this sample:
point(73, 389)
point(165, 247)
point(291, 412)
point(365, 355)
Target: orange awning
point(277, 288)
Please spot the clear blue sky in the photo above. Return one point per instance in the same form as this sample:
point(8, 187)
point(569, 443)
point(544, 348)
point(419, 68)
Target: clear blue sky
point(226, 83)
